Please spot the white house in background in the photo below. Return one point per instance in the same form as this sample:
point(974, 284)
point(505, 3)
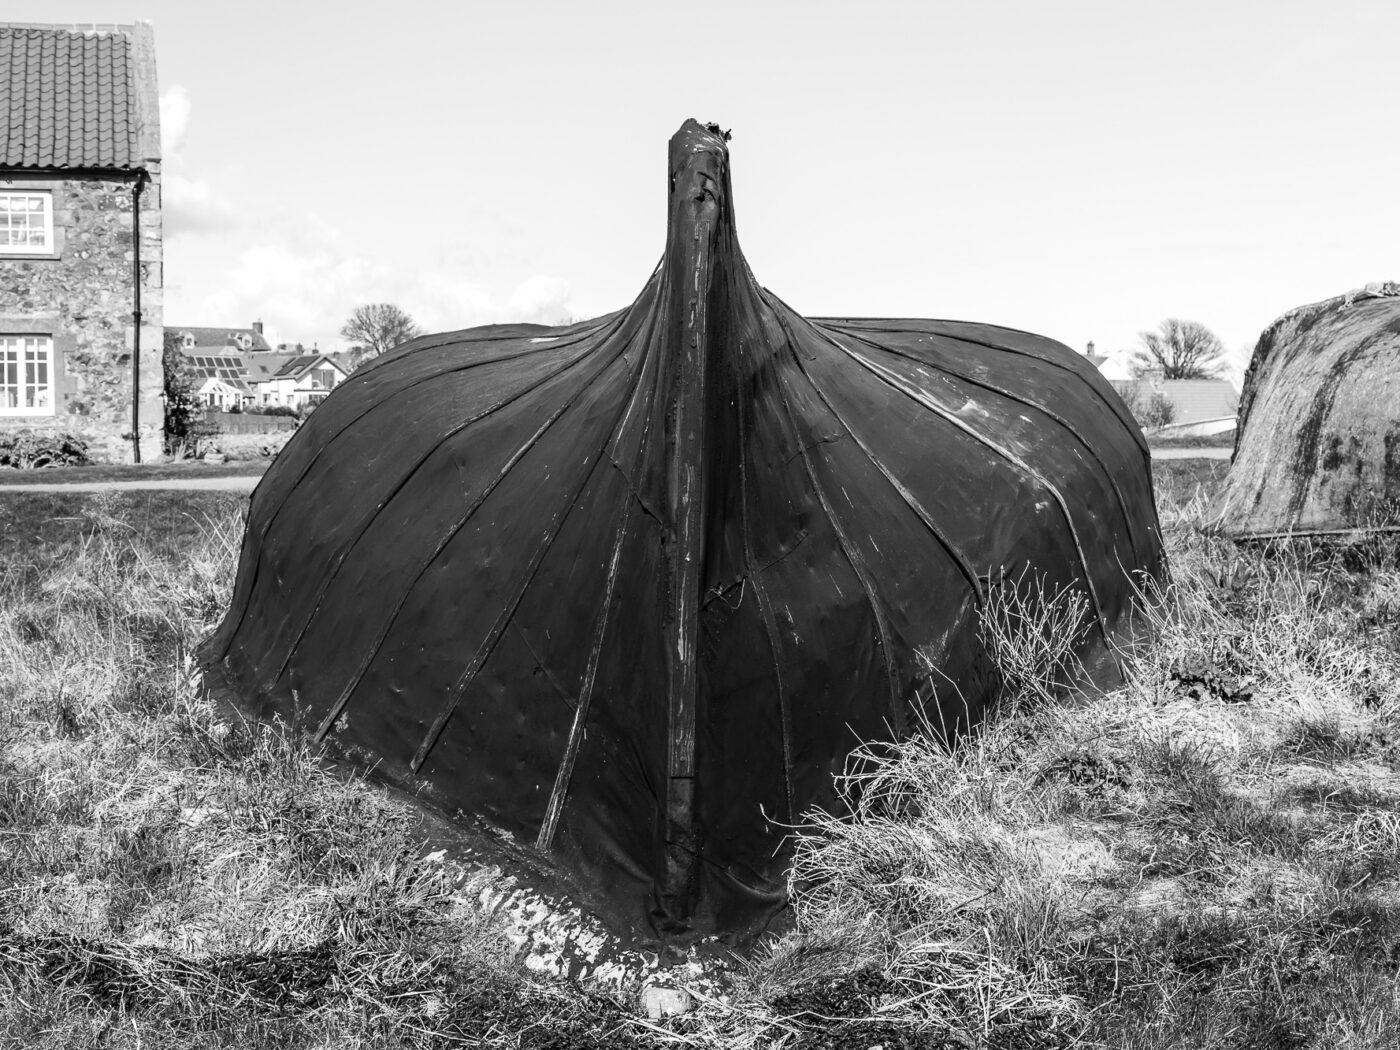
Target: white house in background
point(1115, 371)
point(1111, 366)
point(221, 394)
point(292, 380)
point(218, 379)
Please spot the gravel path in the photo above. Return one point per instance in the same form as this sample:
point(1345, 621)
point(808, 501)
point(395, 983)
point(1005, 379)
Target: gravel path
point(236, 483)
point(232, 483)
point(1190, 453)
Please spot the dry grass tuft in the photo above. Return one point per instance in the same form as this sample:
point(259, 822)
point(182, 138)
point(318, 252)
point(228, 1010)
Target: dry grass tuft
point(1208, 857)
point(173, 876)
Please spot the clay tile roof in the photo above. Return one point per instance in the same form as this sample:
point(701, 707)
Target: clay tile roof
point(1200, 399)
point(262, 367)
point(205, 337)
point(69, 98)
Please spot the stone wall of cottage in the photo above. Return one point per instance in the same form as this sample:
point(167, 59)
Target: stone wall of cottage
point(82, 298)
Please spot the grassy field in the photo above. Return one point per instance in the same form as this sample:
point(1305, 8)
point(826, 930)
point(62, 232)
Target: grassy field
point(1209, 857)
point(134, 472)
point(1225, 440)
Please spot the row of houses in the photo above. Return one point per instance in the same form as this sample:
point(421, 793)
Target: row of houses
point(233, 369)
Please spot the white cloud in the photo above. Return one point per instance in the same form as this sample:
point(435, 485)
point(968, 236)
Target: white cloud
point(441, 299)
point(192, 206)
point(305, 285)
point(174, 119)
point(188, 206)
point(542, 299)
point(301, 274)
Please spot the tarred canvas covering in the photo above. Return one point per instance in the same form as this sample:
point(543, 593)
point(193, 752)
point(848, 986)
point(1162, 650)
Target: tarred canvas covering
point(633, 589)
point(1317, 448)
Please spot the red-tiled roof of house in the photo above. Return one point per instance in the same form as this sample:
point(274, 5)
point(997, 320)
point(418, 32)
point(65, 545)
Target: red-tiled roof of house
point(206, 338)
point(299, 365)
point(1199, 399)
point(262, 367)
point(77, 98)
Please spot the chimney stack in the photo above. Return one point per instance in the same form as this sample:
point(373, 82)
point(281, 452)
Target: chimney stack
point(1089, 352)
point(257, 326)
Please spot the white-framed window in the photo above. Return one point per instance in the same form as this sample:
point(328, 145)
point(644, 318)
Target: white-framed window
point(26, 375)
point(26, 222)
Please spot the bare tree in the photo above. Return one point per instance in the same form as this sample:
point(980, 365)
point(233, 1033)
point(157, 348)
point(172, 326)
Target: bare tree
point(375, 328)
point(1179, 350)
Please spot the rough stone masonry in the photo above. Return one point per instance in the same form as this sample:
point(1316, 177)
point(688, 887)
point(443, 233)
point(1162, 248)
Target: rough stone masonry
point(82, 298)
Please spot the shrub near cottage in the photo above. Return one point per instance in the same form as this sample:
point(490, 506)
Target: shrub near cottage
point(251, 446)
point(30, 449)
point(184, 415)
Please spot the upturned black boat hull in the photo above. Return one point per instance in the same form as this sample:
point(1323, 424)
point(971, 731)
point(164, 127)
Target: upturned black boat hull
point(633, 589)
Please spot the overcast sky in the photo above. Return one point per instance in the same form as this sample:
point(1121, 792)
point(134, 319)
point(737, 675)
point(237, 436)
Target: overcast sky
point(1080, 169)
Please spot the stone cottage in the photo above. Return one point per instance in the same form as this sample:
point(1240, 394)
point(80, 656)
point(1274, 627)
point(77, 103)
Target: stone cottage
point(80, 334)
